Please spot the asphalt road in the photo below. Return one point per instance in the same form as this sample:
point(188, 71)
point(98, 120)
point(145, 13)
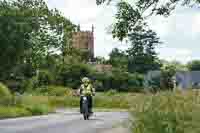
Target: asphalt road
point(65, 122)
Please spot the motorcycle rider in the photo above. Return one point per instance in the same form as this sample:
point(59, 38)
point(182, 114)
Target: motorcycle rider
point(86, 89)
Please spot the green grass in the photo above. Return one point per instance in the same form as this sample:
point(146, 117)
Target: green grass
point(29, 105)
point(26, 106)
point(166, 112)
point(12, 112)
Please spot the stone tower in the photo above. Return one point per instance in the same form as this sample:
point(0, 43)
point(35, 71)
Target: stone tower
point(84, 40)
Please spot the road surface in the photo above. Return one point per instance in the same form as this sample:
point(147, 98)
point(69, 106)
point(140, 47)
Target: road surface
point(66, 122)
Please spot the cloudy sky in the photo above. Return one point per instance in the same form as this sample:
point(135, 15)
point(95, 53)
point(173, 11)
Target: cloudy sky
point(180, 32)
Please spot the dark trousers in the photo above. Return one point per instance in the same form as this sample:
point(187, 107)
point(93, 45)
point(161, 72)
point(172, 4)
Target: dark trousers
point(90, 102)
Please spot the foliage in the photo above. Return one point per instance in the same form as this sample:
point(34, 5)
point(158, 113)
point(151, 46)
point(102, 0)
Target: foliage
point(98, 85)
point(135, 82)
point(76, 56)
point(111, 92)
point(154, 84)
point(30, 33)
point(5, 94)
point(117, 100)
point(68, 101)
point(142, 55)
point(194, 65)
point(101, 60)
point(29, 85)
point(45, 77)
point(71, 74)
point(12, 112)
point(131, 13)
point(162, 81)
point(100, 101)
point(178, 66)
point(126, 18)
point(53, 91)
point(167, 74)
point(119, 59)
point(119, 80)
point(37, 105)
point(166, 113)
point(38, 109)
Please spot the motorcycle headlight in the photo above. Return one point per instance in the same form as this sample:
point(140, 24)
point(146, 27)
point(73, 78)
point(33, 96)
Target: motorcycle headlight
point(84, 98)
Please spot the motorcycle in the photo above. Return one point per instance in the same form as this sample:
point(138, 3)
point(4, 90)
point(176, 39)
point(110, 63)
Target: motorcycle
point(85, 108)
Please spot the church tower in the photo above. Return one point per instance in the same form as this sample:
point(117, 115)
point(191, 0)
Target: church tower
point(84, 40)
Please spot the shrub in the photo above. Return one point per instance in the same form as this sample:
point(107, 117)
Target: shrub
point(135, 82)
point(167, 74)
point(38, 109)
point(29, 84)
point(70, 75)
point(98, 85)
point(37, 105)
point(154, 84)
point(68, 101)
point(111, 92)
point(5, 95)
point(45, 77)
point(12, 112)
point(166, 113)
point(109, 102)
point(53, 91)
point(58, 91)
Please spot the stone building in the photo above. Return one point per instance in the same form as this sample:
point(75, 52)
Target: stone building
point(84, 40)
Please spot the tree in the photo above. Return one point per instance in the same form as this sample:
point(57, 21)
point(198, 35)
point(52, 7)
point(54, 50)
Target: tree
point(101, 60)
point(142, 55)
point(167, 74)
point(119, 59)
point(194, 65)
point(29, 33)
point(178, 66)
point(129, 16)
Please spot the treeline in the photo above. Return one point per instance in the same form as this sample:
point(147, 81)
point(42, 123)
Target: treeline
point(36, 51)
point(70, 76)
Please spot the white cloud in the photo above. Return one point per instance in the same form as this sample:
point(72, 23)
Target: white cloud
point(180, 32)
point(180, 54)
point(196, 24)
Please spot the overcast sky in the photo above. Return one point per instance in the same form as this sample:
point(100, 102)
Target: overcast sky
point(180, 32)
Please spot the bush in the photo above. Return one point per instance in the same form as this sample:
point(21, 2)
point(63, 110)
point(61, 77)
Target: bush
point(166, 113)
point(38, 109)
point(167, 74)
point(58, 91)
point(37, 105)
point(53, 91)
point(45, 77)
point(98, 85)
point(5, 95)
point(120, 80)
point(12, 112)
point(111, 92)
point(30, 84)
point(135, 82)
point(68, 101)
point(154, 84)
point(117, 101)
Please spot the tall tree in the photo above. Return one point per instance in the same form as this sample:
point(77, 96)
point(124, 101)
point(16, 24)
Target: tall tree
point(142, 55)
point(130, 13)
point(119, 59)
point(194, 65)
point(29, 31)
point(130, 25)
point(178, 66)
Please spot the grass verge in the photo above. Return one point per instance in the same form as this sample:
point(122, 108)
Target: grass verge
point(166, 112)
